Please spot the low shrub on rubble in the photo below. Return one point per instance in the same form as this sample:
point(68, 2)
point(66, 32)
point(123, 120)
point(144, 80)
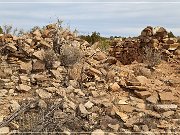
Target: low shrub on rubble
point(152, 57)
point(70, 55)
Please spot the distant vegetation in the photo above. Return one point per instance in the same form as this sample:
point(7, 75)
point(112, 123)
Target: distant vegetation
point(171, 35)
point(1, 30)
point(103, 42)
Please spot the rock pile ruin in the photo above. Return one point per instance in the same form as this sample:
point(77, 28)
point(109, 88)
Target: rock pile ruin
point(53, 81)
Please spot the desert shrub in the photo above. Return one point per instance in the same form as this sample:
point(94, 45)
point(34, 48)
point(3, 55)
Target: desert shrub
point(1, 30)
point(93, 38)
point(151, 56)
point(7, 29)
point(104, 45)
point(171, 35)
point(49, 58)
point(70, 55)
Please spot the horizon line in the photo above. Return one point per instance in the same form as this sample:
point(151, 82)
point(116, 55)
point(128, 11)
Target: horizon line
point(89, 2)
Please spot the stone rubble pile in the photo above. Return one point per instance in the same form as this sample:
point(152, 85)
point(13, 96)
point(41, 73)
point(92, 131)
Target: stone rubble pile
point(94, 93)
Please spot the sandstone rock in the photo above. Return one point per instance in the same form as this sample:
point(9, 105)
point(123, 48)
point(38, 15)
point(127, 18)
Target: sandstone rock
point(95, 94)
point(110, 75)
point(3, 92)
point(98, 132)
point(73, 83)
point(88, 104)
point(165, 107)
point(94, 71)
point(99, 56)
point(142, 94)
point(52, 89)
point(42, 104)
point(145, 128)
point(122, 115)
point(26, 67)
point(123, 101)
point(44, 44)
point(79, 92)
point(14, 106)
point(136, 128)
point(11, 47)
point(168, 113)
point(137, 88)
point(177, 52)
point(37, 33)
point(23, 88)
point(28, 41)
point(38, 66)
point(114, 127)
point(143, 80)
point(13, 126)
point(111, 60)
point(114, 87)
point(61, 92)
point(57, 74)
point(141, 106)
point(166, 96)
point(83, 110)
point(39, 54)
point(133, 83)
point(152, 113)
point(153, 98)
point(43, 94)
point(4, 130)
point(145, 71)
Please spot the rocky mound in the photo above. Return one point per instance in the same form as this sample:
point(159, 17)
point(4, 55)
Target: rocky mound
point(52, 81)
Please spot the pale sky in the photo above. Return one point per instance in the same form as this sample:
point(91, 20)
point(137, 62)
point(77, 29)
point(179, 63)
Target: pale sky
point(109, 17)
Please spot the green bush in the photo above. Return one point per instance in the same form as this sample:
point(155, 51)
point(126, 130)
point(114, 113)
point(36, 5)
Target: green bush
point(93, 38)
point(1, 30)
point(171, 35)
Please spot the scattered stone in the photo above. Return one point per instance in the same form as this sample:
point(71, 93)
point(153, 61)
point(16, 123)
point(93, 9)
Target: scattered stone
point(42, 104)
point(79, 92)
point(14, 106)
point(26, 67)
point(138, 88)
point(88, 105)
point(166, 96)
point(23, 88)
point(142, 94)
point(94, 71)
point(4, 130)
point(114, 87)
point(11, 47)
point(143, 80)
point(98, 132)
point(39, 55)
point(165, 107)
point(122, 115)
point(95, 94)
point(3, 92)
point(145, 128)
point(38, 66)
point(153, 98)
point(83, 110)
point(114, 127)
point(13, 126)
point(43, 93)
point(136, 128)
point(168, 113)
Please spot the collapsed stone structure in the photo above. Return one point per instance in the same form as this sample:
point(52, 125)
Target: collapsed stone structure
point(73, 87)
point(133, 49)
